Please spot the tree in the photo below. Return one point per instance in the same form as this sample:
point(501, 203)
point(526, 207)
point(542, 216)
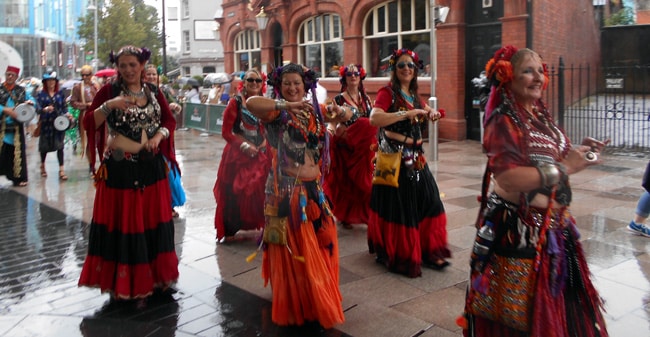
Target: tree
point(120, 23)
point(625, 16)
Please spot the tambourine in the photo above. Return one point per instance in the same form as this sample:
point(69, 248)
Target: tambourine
point(25, 112)
point(62, 123)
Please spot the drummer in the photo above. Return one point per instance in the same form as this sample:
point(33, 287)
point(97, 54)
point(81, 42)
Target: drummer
point(51, 104)
point(13, 161)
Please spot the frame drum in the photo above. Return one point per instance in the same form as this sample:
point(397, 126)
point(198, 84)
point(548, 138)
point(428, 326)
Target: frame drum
point(26, 112)
point(62, 123)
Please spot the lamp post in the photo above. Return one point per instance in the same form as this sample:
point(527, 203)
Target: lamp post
point(438, 15)
point(94, 8)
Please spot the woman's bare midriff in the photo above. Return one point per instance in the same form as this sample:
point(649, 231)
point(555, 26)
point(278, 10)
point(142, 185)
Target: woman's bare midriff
point(539, 201)
point(400, 137)
point(306, 172)
point(118, 141)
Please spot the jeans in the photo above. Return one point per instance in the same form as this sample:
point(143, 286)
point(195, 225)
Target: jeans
point(643, 205)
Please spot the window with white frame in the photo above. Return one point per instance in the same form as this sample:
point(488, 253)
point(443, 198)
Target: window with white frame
point(247, 50)
point(320, 44)
point(186, 41)
point(185, 4)
point(394, 25)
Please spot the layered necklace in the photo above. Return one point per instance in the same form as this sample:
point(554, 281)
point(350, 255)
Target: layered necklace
point(139, 94)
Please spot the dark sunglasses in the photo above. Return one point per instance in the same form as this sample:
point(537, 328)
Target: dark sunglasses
point(401, 65)
point(352, 73)
point(84, 75)
point(256, 80)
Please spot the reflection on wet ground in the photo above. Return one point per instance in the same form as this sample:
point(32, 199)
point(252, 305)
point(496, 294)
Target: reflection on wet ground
point(43, 229)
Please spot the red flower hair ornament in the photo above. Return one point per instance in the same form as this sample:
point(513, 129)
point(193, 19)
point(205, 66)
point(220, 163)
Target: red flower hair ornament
point(499, 66)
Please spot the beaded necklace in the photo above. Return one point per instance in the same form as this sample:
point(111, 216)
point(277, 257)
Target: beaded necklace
point(309, 128)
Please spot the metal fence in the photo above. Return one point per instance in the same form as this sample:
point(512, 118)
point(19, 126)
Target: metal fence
point(607, 103)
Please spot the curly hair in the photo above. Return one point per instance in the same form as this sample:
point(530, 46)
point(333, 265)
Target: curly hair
point(142, 54)
point(394, 81)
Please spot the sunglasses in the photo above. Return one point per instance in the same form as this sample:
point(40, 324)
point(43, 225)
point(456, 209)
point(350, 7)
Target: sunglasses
point(256, 80)
point(401, 65)
point(352, 73)
point(84, 75)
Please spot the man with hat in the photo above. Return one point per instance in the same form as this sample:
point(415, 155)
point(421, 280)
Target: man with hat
point(13, 160)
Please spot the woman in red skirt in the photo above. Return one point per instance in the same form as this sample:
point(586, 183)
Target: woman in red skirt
point(131, 245)
point(408, 224)
point(245, 164)
point(349, 181)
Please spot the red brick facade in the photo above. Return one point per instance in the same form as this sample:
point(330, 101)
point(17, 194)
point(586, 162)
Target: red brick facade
point(557, 28)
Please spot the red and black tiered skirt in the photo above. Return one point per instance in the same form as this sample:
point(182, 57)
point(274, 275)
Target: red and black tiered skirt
point(408, 225)
point(131, 242)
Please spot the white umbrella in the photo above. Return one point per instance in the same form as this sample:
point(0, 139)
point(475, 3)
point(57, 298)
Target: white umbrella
point(218, 78)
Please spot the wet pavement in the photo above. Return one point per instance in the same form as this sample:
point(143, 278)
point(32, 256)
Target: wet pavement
point(43, 238)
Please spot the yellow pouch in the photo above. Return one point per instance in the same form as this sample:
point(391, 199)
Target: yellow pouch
point(387, 167)
point(275, 231)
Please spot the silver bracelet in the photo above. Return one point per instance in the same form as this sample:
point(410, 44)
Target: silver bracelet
point(244, 146)
point(163, 131)
point(104, 109)
point(280, 104)
point(549, 174)
point(400, 113)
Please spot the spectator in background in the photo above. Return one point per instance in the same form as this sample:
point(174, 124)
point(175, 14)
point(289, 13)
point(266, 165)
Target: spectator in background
point(81, 98)
point(193, 95)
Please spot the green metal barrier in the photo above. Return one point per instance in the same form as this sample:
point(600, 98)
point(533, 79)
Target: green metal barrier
point(204, 117)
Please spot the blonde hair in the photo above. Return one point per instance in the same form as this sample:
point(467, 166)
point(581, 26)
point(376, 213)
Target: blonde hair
point(87, 68)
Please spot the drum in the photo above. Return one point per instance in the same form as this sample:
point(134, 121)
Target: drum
point(26, 112)
point(62, 123)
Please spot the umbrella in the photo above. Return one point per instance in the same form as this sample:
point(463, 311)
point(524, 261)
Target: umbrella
point(67, 85)
point(108, 72)
point(218, 78)
point(193, 82)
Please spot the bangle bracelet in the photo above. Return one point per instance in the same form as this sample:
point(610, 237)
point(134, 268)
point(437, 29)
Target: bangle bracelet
point(280, 104)
point(244, 146)
point(400, 113)
point(549, 174)
point(104, 109)
point(163, 131)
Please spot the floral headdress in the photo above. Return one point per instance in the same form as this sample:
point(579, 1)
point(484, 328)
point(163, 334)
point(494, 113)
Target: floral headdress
point(399, 52)
point(344, 70)
point(143, 54)
point(500, 71)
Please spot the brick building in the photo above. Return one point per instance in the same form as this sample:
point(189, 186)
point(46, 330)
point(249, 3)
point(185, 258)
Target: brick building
point(324, 34)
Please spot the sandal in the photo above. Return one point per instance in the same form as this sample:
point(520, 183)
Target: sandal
point(43, 172)
point(62, 175)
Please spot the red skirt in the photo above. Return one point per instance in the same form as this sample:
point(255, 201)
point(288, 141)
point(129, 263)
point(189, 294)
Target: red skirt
point(131, 243)
point(239, 191)
point(304, 275)
point(408, 224)
point(349, 181)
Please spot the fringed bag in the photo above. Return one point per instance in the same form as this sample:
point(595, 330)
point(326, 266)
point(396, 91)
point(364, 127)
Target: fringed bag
point(508, 296)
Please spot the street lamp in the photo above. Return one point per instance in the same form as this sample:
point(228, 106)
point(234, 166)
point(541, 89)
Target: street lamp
point(262, 19)
point(94, 8)
point(438, 15)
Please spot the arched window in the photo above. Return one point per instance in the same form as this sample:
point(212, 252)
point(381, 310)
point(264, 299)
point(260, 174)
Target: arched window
point(247, 50)
point(320, 44)
point(394, 25)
